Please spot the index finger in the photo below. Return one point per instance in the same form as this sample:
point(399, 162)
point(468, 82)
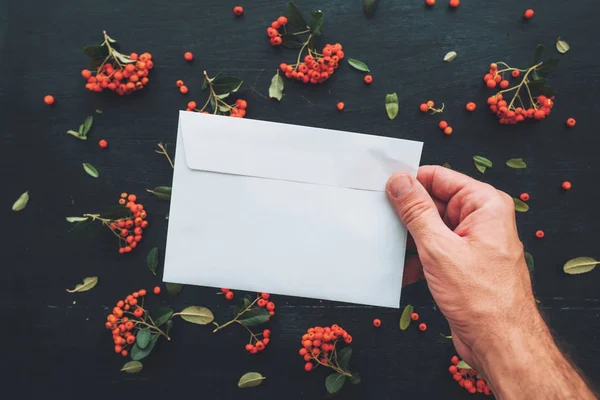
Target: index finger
point(443, 183)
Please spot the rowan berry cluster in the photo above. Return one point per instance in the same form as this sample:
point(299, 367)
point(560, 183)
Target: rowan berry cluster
point(273, 30)
point(467, 377)
point(316, 68)
point(429, 106)
point(236, 110)
point(220, 87)
point(126, 319)
point(319, 347)
point(117, 72)
point(130, 230)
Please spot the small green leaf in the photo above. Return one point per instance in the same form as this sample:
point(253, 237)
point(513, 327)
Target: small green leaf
point(359, 65)
point(450, 56)
point(132, 367)
point(87, 125)
point(517, 163)
point(169, 326)
point(405, 318)
point(88, 283)
point(173, 288)
point(197, 315)
point(91, 171)
point(163, 315)
point(224, 85)
point(137, 353)
point(562, 46)
point(446, 165)
point(355, 378)
point(161, 192)
point(152, 260)
point(548, 66)
point(343, 358)
point(294, 16)
point(529, 261)
point(250, 379)
point(276, 87)
point(580, 265)
point(246, 301)
point(391, 105)
point(369, 7)
point(143, 338)
point(76, 134)
point(76, 219)
point(537, 55)
point(99, 111)
point(334, 382)
point(96, 51)
point(480, 168)
point(123, 58)
point(316, 22)
point(80, 226)
point(463, 365)
point(255, 316)
point(482, 161)
point(520, 205)
point(21, 202)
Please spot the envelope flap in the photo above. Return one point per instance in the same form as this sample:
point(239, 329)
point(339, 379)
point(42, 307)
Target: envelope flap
point(294, 153)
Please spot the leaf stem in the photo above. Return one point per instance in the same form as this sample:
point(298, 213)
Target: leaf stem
point(302, 49)
point(163, 150)
point(524, 81)
point(235, 319)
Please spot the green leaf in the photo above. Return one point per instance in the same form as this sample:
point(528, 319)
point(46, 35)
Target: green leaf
point(450, 56)
point(343, 358)
point(21, 202)
point(520, 205)
point(132, 367)
point(463, 365)
point(91, 171)
point(480, 168)
point(482, 161)
point(80, 226)
point(117, 212)
point(76, 134)
point(276, 87)
point(254, 316)
point(391, 105)
point(163, 315)
point(76, 219)
point(548, 66)
point(537, 55)
point(446, 165)
point(316, 22)
point(446, 336)
point(143, 338)
point(294, 16)
point(290, 41)
point(250, 379)
point(529, 261)
point(88, 283)
point(87, 125)
point(169, 326)
point(334, 382)
point(197, 315)
point(369, 7)
point(95, 63)
point(246, 301)
point(405, 318)
point(359, 65)
point(226, 84)
point(123, 58)
point(161, 192)
point(137, 353)
point(355, 378)
point(173, 288)
point(580, 265)
point(537, 83)
point(99, 111)
point(96, 51)
point(152, 260)
point(562, 46)
point(517, 163)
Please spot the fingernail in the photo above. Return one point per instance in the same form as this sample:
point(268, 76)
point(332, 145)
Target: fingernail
point(399, 185)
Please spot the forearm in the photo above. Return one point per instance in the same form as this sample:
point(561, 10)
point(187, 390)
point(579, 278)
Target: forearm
point(527, 364)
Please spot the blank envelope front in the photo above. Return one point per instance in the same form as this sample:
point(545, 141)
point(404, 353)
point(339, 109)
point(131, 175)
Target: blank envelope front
point(286, 209)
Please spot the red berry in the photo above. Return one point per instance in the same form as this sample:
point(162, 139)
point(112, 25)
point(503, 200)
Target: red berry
point(471, 106)
point(376, 322)
point(414, 316)
point(188, 56)
point(515, 73)
point(491, 83)
point(340, 106)
point(524, 196)
point(422, 327)
point(103, 143)
point(423, 107)
point(308, 366)
point(443, 125)
point(192, 105)
point(238, 10)
point(566, 185)
point(156, 290)
point(49, 99)
point(454, 3)
point(504, 84)
point(528, 14)
point(455, 360)
point(368, 79)
point(265, 296)
point(570, 122)
point(229, 295)
point(448, 131)
point(183, 89)
point(430, 2)
point(539, 234)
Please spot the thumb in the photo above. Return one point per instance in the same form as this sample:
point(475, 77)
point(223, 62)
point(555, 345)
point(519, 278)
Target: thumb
point(415, 207)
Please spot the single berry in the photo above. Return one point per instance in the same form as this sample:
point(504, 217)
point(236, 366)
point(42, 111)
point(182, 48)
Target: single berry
point(183, 89)
point(471, 106)
point(422, 327)
point(340, 106)
point(188, 56)
point(103, 143)
point(265, 295)
point(454, 3)
point(491, 83)
point(443, 125)
point(448, 131)
point(229, 295)
point(423, 107)
point(529, 14)
point(515, 73)
point(308, 366)
point(524, 196)
point(504, 84)
point(571, 122)
point(430, 103)
point(368, 79)
point(49, 99)
point(282, 20)
point(454, 360)
point(238, 10)
point(430, 2)
point(86, 73)
point(414, 316)
point(192, 105)
point(156, 290)
point(179, 83)
point(376, 322)
point(566, 185)
point(539, 234)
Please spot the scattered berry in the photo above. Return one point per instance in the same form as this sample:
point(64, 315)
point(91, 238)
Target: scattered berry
point(430, 2)
point(571, 122)
point(238, 10)
point(340, 106)
point(368, 79)
point(515, 73)
point(448, 131)
point(539, 234)
point(454, 3)
point(443, 125)
point(179, 83)
point(308, 366)
point(156, 290)
point(422, 326)
point(192, 105)
point(528, 14)
point(423, 107)
point(376, 322)
point(524, 196)
point(103, 143)
point(183, 89)
point(188, 56)
point(454, 360)
point(504, 84)
point(414, 316)
point(229, 295)
point(471, 106)
point(49, 99)
point(566, 185)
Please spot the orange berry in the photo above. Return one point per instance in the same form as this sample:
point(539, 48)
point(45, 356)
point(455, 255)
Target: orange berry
point(266, 333)
point(103, 144)
point(142, 292)
point(249, 347)
point(303, 351)
point(491, 83)
point(448, 131)
point(132, 198)
point(340, 106)
point(282, 20)
point(270, 306)
point(515, 73)
point(308, 366)
point(188, 56)
point(376, 322)
point(118, 349)
point(566, 185)
point(571, 122)
point(260, 345)
point(430, 2)
point(504, 84)
point(423, 107)
point(49, 99)
point(414, 316)
point(229, 295)
point(124, 353)
point(471, 106)
point(529, 13)
point(443, 125)
point(86, 73)
point(430, 104)
point(265, 295)
point(238, 10)
point(156, 290)
point(184, 89)
point(422, 327)
point(179, 83)
point(368, 79)
point(540, 234)
point(524, 196)
point(138, 312)
point(454, 3)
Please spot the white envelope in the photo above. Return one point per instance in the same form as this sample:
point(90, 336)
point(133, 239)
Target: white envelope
point(286, 209)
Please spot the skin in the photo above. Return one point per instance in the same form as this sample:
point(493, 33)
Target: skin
point(471, 256)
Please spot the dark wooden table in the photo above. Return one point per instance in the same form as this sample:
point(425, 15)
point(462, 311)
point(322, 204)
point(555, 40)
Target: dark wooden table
point(55, 342)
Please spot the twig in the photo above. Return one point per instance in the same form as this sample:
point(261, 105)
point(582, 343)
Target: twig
point(163, 150)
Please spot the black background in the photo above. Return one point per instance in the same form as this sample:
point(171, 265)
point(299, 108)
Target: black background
point(53, 345)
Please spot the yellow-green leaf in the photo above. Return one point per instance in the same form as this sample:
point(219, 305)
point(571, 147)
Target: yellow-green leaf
point(359, 65)
point(21, 202)
point(250, 379)
point(463, 365)
point(152, 260)
point(197, 315)
point(87, 125)
point(446, 165)
point(161, 192)
point(482, 161)
point(87, 284)
point(520, 206)
point(405, 318)
point(562, 46)
point(580, 265)
point(517, 163)
point(391, 105)
point(76, 134)
point(76, 219)
point(91, 171)
point(450, 56)
point(480, 168)
point(132, 367)
point(173, 288)
point(276, 88)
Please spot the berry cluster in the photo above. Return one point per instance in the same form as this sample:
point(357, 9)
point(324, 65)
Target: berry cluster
point(257, 344)
point(316, 68)
point(124, 79)
point(130, 230)
point(467, 377)
point(273, 30)
point(509, 114)
point(429, 106)
point(237, 110)
point(422, 326)
point(319, 346)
